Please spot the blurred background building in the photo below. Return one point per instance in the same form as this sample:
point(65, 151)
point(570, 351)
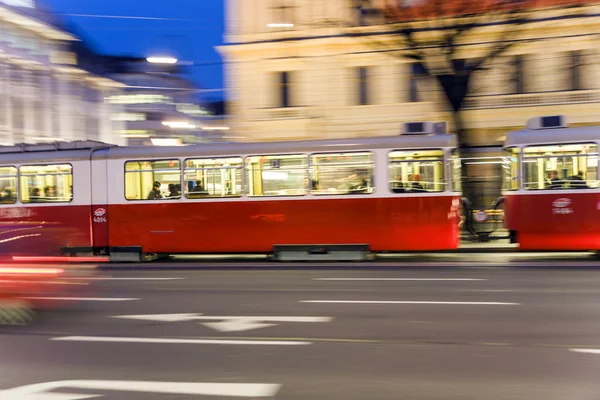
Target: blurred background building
point(299, 69)
point(44, 94)
point(54, 85)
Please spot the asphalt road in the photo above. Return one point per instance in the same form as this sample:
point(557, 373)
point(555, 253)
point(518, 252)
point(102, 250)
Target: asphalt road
point(411, 333)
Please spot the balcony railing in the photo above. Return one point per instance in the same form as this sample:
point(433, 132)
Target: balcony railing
point(533, 99)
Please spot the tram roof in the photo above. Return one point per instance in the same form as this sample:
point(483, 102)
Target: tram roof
point(525, 137)
point(288, 147)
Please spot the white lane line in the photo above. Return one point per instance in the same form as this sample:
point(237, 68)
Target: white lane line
point(399, 279)
point(81, 298)
point(467, 303)
point(109, 278)
point(178, 341)
point(588, 351)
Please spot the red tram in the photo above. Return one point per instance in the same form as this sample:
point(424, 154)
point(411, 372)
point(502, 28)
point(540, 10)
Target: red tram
point(551, 187)
point(390, 193)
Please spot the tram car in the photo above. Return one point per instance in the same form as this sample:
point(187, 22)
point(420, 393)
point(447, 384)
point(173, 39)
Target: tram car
point(399, 193)
point(551, 189)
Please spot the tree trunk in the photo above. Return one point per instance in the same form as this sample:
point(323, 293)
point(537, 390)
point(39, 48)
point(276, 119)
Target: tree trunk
point(464, 153)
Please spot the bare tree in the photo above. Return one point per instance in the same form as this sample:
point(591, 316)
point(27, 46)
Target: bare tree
point(438, 36)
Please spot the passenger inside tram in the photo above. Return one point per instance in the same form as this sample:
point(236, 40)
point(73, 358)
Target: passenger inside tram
point(49, 193)
point(199, 188)
point(554, 182)
point(173, 192)
point(155, 192)
point(577, 181)
point(415, 183)
point(35, 195)
point(8, 196)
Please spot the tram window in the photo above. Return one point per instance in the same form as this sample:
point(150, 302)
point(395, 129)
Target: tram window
point(572, 166)
point(510, 169)
point(46, 183)
point(8, 185)
point(152, 180)
point(342, 173)
point(220, 177)
point(416, 171)
point(280, 175)
point(456, 170)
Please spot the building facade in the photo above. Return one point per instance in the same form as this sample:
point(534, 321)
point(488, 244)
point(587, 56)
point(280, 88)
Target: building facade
point(44, 95)
point(298, 69)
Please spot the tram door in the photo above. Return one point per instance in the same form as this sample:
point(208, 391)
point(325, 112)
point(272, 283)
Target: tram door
point(99, 186)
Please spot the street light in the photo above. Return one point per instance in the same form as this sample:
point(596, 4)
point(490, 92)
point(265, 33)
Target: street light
point(162, 60)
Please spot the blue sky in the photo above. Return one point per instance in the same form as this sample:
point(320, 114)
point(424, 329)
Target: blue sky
point(188, 28)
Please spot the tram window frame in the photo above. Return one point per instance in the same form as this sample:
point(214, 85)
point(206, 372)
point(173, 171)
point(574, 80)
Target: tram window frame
point(249, 180)
point(207, 195)
point(314, 177)
point(559, 158)
point(15, 186)
point(41, 200)
point(427, 159)
point(456, 179)
point(511, 182)
point(126, 172)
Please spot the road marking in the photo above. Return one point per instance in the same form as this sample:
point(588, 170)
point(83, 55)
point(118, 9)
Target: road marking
point(178, 341)
point(226, 323)
point(589, 351)
point(109, 278)
point(81, 298)
point(40, 391)
point(467, 303)
point(399, 279)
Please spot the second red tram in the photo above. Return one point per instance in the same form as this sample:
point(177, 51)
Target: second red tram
point(551, 187)
point(390, 193)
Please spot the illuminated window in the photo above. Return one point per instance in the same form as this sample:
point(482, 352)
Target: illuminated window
point(416, 171)
point(281, 175)
point(572, 166)
point(342, 173)
point(220, 177)
point(510, 170)
point(456, 170)
point(140, 99)
point(129, 117)
point(152, 180)
point(46, 183)
point(8, 185)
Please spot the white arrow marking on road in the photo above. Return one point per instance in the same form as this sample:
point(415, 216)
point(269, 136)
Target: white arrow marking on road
point(227, 324)
point(589, 351)
point(466, 303)
point(398, 279)
point(107, 339)
point(40, 391)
